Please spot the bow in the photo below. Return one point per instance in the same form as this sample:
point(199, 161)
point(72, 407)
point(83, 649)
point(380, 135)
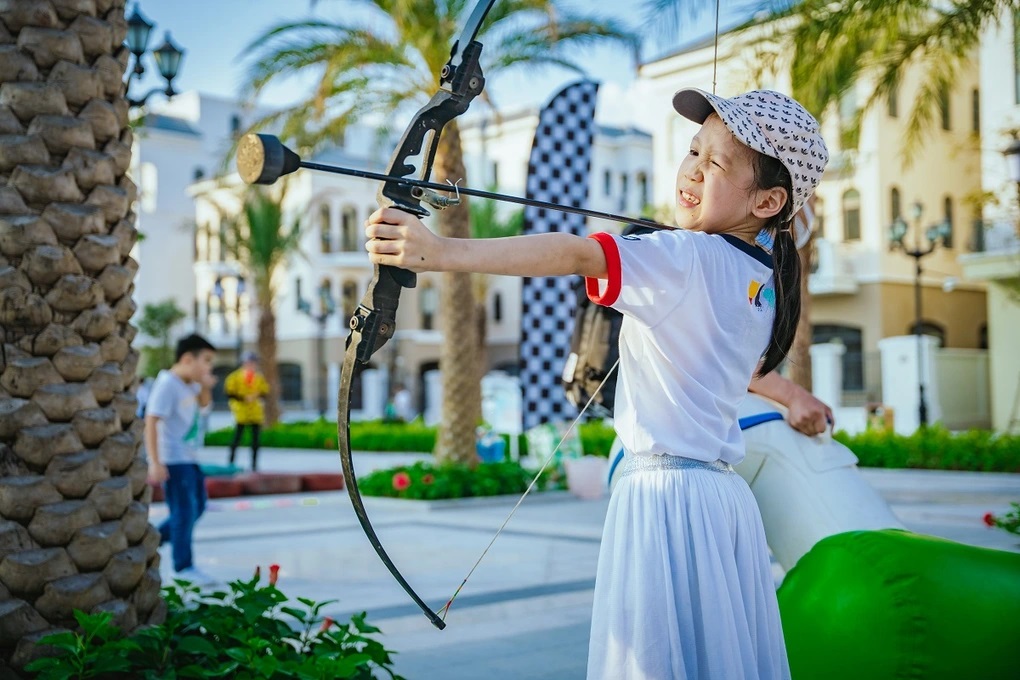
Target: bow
point(262, 159)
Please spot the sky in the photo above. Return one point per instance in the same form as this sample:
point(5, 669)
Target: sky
point(214, 33)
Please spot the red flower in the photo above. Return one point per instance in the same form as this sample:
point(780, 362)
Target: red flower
point(327, 623)
point(274, 573)
point(401, 481)
point(989, 519)
point(428, 479)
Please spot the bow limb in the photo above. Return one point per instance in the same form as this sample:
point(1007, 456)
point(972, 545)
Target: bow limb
point(374, 321)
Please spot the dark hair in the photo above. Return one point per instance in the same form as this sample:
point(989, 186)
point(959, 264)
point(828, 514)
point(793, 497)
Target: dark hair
point(192, 344)
point(769, 173)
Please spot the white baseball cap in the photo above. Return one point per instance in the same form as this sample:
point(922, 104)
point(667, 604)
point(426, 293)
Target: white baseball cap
point(769, 122)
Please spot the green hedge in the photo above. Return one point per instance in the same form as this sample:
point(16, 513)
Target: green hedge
point(376, 435)
point(427, 481)
point(936, 448)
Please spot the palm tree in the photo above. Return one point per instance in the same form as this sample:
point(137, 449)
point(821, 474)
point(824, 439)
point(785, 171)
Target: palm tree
point(388, 62)
point(262, 243)
point(837, 45)
point(74, 531)
point(486, 222)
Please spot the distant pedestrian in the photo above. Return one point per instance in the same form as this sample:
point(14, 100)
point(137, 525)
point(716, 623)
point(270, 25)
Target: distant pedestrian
point(246, 387)
point(173, 435)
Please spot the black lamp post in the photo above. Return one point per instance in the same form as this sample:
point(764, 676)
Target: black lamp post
point(897, 240)
point(168, 57)
point(327, 307)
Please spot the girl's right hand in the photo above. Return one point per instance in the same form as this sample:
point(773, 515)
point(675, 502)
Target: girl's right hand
point(400, 239)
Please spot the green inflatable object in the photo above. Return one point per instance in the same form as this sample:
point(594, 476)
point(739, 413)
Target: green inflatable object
point(888, 604)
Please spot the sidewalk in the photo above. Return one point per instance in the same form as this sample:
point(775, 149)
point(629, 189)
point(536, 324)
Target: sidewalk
point(525, 612)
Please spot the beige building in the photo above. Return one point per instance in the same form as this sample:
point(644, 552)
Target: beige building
point(862, 291)
point(999, 261)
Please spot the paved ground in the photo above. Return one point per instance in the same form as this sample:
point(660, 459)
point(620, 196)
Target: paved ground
point(525, 612)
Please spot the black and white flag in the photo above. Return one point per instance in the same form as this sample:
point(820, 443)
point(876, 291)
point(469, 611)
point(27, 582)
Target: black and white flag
point(557, 172)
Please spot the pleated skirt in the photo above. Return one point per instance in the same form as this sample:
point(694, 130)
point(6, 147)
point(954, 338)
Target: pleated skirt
point(684, 588)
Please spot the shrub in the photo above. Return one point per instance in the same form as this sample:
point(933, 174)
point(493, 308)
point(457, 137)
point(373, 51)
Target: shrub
point(376, 435)
point(428, 481)
point(936, 448)
point(248, 631)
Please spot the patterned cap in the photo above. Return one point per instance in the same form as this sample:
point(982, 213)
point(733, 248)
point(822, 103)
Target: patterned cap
point(769, 122)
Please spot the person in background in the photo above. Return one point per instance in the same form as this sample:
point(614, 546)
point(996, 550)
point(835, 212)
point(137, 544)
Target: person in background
point(246, 387)
point(173, 435)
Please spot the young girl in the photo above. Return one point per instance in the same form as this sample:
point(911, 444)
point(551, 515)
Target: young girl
point(684, 586)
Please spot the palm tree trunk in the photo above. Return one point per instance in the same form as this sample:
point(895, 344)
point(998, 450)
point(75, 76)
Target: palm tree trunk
point(74, 503)
point(267, 356)
point(800, 351)
point(458, 361)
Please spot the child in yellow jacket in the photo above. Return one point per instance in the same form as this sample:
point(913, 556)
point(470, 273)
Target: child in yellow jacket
point(246, 387)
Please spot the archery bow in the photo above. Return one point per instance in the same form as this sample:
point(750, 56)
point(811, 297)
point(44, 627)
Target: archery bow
point(262, 159)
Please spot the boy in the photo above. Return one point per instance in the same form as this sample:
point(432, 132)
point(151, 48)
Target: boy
point(172, 438)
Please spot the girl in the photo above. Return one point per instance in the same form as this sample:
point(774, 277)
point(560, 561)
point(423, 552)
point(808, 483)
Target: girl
point(684, 587)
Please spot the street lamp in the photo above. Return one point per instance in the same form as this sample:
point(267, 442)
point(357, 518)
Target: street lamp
point(327, 307)
point(168, 57)
point(897, 240)
point(239, 289)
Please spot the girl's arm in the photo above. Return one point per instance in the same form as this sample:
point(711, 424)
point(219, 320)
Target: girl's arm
point(401, 240)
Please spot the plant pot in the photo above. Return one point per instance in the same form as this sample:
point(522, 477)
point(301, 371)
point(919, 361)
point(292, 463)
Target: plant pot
point(223, 487)
point(261, 483)
point(324, 481)
point(586, 476)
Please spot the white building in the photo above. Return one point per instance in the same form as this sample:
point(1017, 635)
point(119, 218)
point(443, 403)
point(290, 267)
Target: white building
point(179, 142)
point(998, 262)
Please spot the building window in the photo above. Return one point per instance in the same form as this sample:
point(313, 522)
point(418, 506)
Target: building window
point(495, 173)
point(975, 111)
point(325, 229)
point(1016, 56)
point(642, 182)
point(895, 205)
point(947, 208)
point(947, 123)
point(197, 174)
point(853, 357)
point(893, 101)
point(851, 215)
point(624, 190)
point(818, 227)
point(349, 298)
point(349, 230)
point(427, 305)
point(235, 125)
point(607, 183)
point(148, 187)
point(849, 132)
point(497, 307)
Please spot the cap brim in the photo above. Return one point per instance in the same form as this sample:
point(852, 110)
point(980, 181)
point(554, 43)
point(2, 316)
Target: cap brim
point(693, 104)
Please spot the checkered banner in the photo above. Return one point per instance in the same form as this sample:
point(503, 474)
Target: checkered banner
point(557, 172)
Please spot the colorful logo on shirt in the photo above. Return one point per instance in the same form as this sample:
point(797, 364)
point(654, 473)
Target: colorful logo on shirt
point(761, 296)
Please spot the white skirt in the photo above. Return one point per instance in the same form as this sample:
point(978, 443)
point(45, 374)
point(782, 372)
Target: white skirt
point(684, 589)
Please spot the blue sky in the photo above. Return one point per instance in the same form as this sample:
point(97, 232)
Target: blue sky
point(214, 32)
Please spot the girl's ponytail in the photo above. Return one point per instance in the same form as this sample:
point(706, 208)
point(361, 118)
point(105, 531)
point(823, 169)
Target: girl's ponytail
point(786, 265)
point(769, 173)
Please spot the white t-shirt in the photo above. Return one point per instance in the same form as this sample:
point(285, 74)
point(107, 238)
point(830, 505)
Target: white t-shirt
point(698, 311)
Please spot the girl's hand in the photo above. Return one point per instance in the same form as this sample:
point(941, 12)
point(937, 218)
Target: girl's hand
point(399, 239)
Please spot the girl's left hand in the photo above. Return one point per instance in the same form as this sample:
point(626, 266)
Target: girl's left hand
point(399, 239)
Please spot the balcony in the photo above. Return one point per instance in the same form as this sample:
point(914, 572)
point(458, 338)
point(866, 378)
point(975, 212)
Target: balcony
point(832, 271)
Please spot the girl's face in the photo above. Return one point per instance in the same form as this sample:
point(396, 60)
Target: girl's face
point(715, 185)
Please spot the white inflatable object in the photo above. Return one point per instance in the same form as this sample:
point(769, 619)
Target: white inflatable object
point(807, 488)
